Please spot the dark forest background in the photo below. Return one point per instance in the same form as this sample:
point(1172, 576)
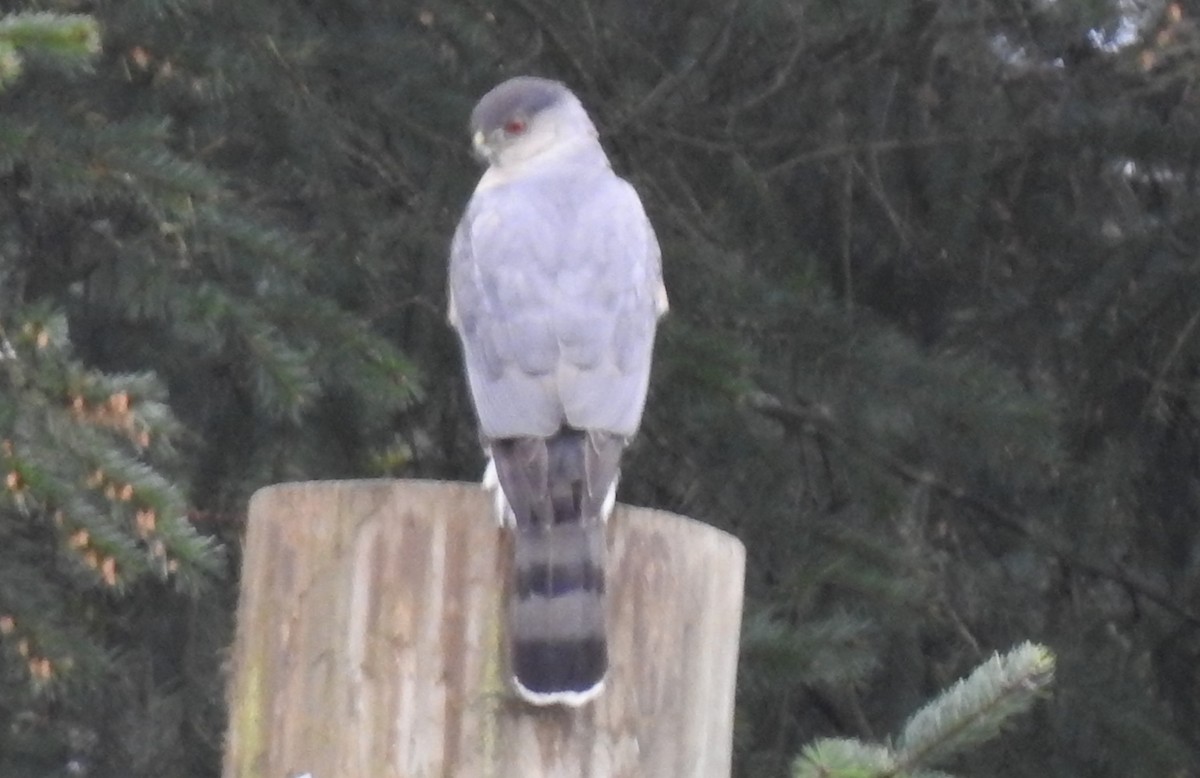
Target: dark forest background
point(933, 352)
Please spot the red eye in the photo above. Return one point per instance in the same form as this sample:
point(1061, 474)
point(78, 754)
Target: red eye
point(514, 126)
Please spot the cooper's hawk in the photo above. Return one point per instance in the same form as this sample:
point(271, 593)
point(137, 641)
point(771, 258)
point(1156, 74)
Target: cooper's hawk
point(555, 290)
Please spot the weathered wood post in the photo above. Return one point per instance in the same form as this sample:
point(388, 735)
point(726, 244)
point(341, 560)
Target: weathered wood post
point(369, 643)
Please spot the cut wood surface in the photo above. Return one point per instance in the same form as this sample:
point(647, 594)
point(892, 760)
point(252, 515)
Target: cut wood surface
point(369, 643)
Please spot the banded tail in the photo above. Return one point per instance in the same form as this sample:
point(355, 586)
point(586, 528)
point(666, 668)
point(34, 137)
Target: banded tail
point(559, 490)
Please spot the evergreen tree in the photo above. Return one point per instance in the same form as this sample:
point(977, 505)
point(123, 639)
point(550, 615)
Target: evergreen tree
point(931, 353)
point(87, 512)
point(135, 276)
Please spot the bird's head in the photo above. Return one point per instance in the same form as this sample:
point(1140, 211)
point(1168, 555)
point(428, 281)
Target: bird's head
point(526, 118)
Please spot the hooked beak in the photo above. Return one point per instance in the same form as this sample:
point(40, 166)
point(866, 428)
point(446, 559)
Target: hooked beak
point(482, 152)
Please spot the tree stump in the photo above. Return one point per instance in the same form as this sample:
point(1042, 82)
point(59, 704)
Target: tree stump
point(369, 643)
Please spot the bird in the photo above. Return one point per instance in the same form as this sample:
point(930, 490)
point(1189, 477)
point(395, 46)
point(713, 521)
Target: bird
point(555, 291)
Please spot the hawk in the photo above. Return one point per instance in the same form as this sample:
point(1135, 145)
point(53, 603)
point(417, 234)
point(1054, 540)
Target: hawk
point(555, 291)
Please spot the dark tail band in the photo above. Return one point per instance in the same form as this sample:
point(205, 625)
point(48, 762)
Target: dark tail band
point(557, 488)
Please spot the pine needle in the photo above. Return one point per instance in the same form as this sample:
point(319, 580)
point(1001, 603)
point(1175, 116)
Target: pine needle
point(977, 707)
point(969, 713)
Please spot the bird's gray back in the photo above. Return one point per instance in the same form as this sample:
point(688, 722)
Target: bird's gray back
point(553, 279)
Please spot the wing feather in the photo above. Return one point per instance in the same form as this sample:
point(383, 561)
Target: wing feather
point(556, 285)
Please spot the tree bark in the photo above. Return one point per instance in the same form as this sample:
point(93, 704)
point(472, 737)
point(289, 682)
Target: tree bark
point(369, 643)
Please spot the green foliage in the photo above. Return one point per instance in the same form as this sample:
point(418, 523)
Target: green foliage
point(835, 651)
point(975, 708)
point(972, 711)
point(86, 510)
point(64, 39)
point(150, 318)
point(932, 351)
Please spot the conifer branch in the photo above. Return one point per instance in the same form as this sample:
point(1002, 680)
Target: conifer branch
point(972, 711)
point(844, 758)
point(68, 39)
point(822, 419)
point(62, 35)
point(831, 651)
point(975, 708)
